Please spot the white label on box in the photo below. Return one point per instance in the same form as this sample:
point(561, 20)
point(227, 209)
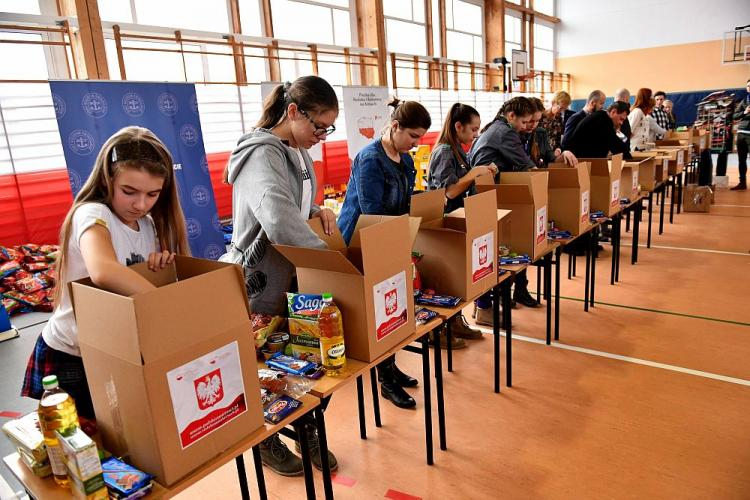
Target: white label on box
point(482, 256)
point(585, 206)
point(665, 169)
point(541, 224)
point(703, 142)
point(207, 393)
point(680, 157)
point(635, 181)
point(615, 193)
point(390, 305)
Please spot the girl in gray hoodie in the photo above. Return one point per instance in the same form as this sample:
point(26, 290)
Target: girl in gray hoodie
point(273, 191)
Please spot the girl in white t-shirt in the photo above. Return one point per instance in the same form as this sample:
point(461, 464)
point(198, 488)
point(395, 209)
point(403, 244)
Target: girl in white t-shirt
point(127, 212)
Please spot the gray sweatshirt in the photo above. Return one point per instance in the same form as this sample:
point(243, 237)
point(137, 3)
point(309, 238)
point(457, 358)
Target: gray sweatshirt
point(266, 183)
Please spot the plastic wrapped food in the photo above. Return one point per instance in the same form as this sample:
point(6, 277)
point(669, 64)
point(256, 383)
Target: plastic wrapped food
point(279, 409)
point(264, 325)
point(291, 365)
point(304, 312)
point(37, 266)
point(273, 380)
point(124, 480)
point(9, 268)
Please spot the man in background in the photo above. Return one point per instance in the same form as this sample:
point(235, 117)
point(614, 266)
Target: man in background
point(595, 102)
point(658, 113)
point(596, 135)
point(623, 95)
point(743, 137)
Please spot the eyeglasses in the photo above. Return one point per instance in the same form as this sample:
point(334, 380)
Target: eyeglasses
point(318, 129)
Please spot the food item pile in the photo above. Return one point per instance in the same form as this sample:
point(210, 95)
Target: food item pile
point(27, 277)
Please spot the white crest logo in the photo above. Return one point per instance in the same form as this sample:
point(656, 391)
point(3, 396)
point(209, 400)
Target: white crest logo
point(59, 104)
point(94, 104)
point(75, 181)
point(200, 196)
point(189, 135)
point(193, 228)
point(133, 104)
point(212, 252)
point(81, 142)
point(167, 104)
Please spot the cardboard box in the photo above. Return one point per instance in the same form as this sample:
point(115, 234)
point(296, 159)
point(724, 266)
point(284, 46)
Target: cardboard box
point(370, 280)
point(676, 155)
point(504, 227)
point(647, 172)
point(569, 194)
point(525, 194)
point(459, 249)
point(604, 177)
point(697, 198)
point(630, 180)
point(172, 371)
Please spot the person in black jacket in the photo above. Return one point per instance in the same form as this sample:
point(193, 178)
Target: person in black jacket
point(743, 138)
point(595, 102)
point(623, 95)
point(500, 143)
point(596, 136)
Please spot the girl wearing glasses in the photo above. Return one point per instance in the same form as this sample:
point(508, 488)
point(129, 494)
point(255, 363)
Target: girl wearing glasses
point(127, 212)
point(381, 183)
point(273, 186)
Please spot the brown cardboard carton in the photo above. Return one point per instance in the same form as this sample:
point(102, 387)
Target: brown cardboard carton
point(647, 172)
point(525, 194)
point(629, 180)
point(677, 155)
point(504, 227)
point(172, 371)
point(570, 197)
point(604, 177)
point(459, 249)
point(371, 280)
point(661, 165)
point(697, 198)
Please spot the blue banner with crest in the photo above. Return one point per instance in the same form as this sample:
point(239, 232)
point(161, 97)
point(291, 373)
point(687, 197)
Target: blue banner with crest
point(89, 112)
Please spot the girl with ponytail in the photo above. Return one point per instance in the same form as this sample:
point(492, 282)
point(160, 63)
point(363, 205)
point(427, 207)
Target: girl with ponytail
point(449, 169)
point(381, 183)
point(273, 190)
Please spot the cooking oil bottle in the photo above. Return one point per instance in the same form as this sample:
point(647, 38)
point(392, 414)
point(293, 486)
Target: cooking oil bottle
point(332, 350)
point(57, 412)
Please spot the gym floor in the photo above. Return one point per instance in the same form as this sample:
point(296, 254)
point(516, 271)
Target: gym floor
point(645, 396)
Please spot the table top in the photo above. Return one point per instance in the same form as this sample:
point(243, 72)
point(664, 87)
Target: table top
point(448, 312)
point(45, 488)
point(589, 228)
point(354, 367)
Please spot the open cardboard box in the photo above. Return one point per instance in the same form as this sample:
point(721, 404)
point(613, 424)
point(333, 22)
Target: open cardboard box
point(459, 249)
point(570, 197)
point(629, 180)
point(172, 371)
point(661, 165)
point(525, 194)
point(676, 156)
point(604, 176)
point(370, 280)
point(647, 172)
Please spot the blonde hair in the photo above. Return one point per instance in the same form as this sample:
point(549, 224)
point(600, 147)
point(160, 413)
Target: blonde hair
point(562, 98)
point(99, 188)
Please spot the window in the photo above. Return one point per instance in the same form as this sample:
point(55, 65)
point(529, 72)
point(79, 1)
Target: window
point(544, 45)
point(21, 6)
point(324, 21)
point(22, 61)
point(405, 27)
point(203, 15)
point(464, 31)
point(545, 6)
point(250, 17)
point(512, 34)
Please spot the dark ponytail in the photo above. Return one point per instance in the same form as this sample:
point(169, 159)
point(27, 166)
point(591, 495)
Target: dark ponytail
point(311, 93)
point(458, 113)
point(410, 114)
point(520, 106)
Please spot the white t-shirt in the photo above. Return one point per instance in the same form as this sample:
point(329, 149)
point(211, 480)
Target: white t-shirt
point(306, 205)
point(130, 246)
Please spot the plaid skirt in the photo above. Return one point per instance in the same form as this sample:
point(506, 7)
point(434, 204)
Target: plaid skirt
point(71, 376)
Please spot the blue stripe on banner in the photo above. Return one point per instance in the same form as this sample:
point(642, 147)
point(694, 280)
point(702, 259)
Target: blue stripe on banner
point(88, 113)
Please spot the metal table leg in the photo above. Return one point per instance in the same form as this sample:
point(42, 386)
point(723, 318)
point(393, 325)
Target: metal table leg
point(558, 254)
point(439, 390)
point(594, 245)
point(361, 408)
point(304, 445)
point(588, 276)
point(496, 335)
point(259, 477)
point(508, 335)
point(650, 212)
point(449, 339)
point(661, 218)
point(570, 265)
point(320, 424)
point(548, 293)
point(636, 233)
point(239, 460)
point(679, 192)
point(671, 201)
point(427, 398)
point(375, 399)
point(618, 220)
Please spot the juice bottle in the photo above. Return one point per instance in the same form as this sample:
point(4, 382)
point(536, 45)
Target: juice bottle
point(57, 412)
point(332, 350)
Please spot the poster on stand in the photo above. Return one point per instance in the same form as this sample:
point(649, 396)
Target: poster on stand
point(316, 152)
point(89, 112)
point(367, 113)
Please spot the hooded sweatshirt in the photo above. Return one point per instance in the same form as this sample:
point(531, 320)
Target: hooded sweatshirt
point(266, 179)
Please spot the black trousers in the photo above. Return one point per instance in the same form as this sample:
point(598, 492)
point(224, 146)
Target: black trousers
point(743, 144)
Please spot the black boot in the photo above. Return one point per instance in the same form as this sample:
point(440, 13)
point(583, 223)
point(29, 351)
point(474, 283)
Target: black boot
point(314, 444)
point(524, 298)
point(402, 378)
point(390, 389)
point(742, 186)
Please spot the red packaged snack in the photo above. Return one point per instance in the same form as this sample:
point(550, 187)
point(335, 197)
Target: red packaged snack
point(21, 275)
point(10, 305)
point(45, 249)
point(13, 254)
point(29, 248)
point(9, 282)
point(36, 258)
point(47, 307)
point(8, 268)
point(4, 255)
point(31, 285)
point(37, 266)
point(27, 299)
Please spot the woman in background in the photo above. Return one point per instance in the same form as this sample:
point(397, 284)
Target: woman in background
point(553, 120)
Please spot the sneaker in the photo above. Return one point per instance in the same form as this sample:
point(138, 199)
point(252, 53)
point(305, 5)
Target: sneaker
point(742, 186)
point(456, 343)
point(461, 329)
point(276, 456)
point(314, 444)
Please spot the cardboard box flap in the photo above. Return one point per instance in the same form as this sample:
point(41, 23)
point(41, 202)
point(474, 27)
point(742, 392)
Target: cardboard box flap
point(567, 177)
point(161, 277)
point(314, 258)
point(509, 194)
point(99, 307)
point(485, 180)
point(428, 205)
point(503, 214)
point(334, 241)
point(479, 209)
point(174, 316)
point(392, 233)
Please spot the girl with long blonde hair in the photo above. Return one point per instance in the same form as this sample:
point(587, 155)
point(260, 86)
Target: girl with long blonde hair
point(127, 212)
